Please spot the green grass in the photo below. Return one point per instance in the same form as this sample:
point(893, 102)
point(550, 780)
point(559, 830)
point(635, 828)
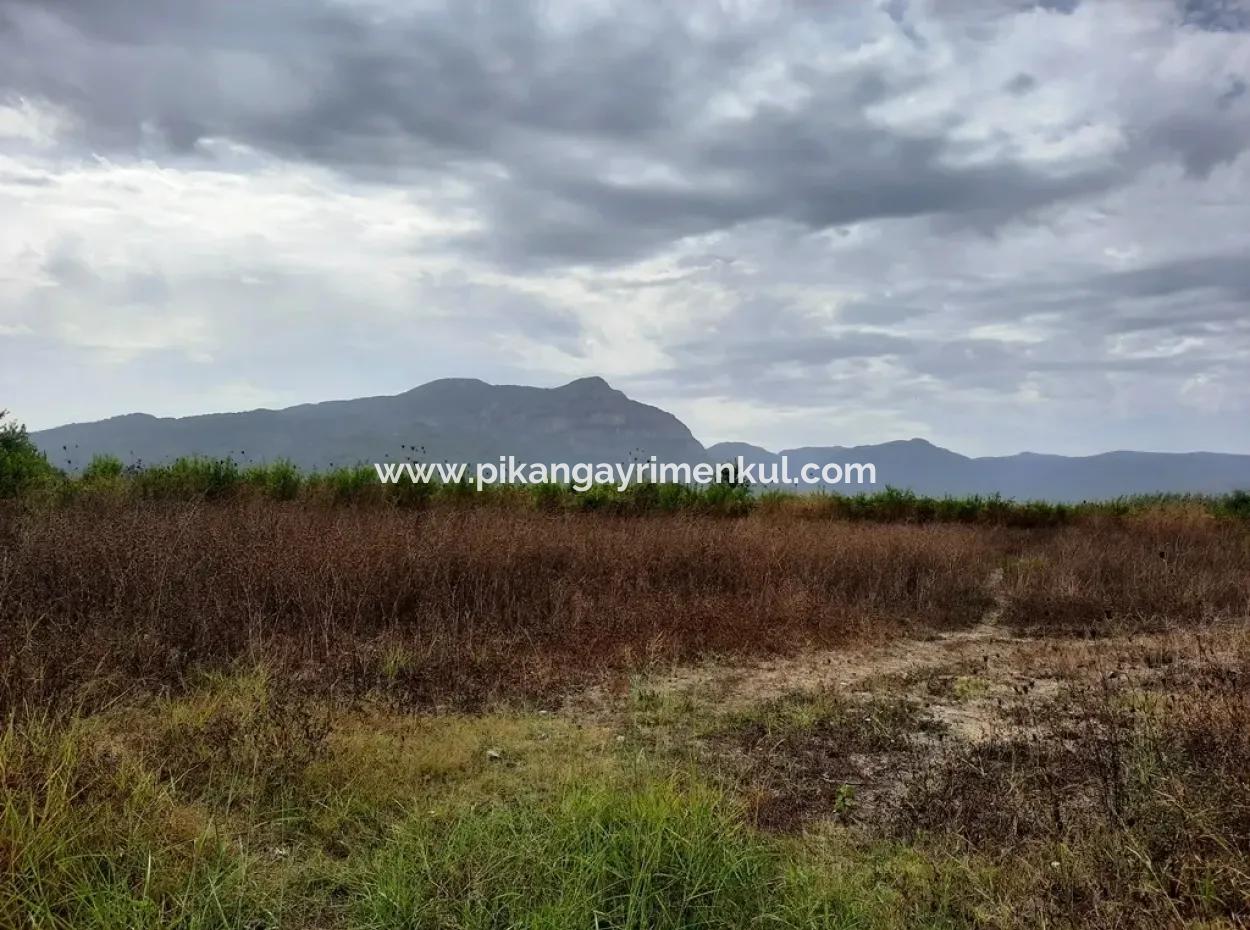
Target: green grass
point(647, 858)
point(651, 853)
point(88, 841)
point(242, 804)
point(220, 810)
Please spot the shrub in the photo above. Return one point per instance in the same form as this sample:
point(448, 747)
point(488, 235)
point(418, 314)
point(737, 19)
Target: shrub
point(103, 468)
point(280, 480)
point(1237, 504)
point(22, 466)
point(189, 478)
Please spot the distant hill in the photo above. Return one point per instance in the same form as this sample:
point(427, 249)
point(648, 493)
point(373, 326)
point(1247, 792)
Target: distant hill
point(449, 420)
point(928, 469)
point(587, 420)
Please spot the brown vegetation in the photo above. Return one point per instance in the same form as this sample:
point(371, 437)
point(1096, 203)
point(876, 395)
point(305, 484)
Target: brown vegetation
point(445, 605)
point(1131, 575)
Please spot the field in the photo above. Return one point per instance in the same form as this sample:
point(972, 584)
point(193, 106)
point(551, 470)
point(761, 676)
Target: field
point(271, 709)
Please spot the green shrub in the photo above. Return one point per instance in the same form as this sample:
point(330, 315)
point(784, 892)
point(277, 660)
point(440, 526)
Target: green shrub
point(549, 496)
point(1236, 504)
point(22, 466)
point(730, 499)
point(103, 468)
point(280, 480)
point(189, 478)
point(348, 484)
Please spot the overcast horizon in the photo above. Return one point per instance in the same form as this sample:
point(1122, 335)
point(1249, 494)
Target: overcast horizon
point(998, 225)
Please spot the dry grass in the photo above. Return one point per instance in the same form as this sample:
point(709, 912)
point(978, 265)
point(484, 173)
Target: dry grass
point(444, 606)
point(1122, 808)
point(1142, 574)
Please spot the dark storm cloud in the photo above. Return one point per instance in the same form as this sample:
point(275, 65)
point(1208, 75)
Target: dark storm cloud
point(1229, 274)
point(1218, 15)
point(1190, 291)
point(331, 82)
point(594, 140)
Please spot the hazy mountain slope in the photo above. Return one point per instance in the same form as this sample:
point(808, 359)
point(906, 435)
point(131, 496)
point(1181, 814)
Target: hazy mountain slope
point(1110, 474)
point(929, 469)
point(452, 419)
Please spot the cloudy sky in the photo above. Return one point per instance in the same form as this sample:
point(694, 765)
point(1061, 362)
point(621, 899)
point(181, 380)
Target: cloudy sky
point(997, 224)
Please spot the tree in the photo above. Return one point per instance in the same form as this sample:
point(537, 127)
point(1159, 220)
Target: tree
point(22, 465)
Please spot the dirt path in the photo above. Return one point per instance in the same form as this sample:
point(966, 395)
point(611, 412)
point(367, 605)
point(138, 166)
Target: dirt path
point(977, 661)
point(968, 679)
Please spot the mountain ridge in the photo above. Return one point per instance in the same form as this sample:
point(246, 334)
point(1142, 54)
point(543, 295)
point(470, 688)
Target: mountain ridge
point(588, 420)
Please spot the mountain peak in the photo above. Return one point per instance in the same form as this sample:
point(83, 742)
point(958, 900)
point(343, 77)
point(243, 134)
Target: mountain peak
point(591, 385)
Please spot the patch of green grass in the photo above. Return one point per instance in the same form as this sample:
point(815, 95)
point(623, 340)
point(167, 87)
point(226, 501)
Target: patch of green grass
point(647, 855)
point(469, 822)
point(89, 841)
point(652, 707)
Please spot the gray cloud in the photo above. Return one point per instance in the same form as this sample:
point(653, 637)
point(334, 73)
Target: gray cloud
point(937, 214)
point(585, 139)
point(1217, 15)
point(1228, 274)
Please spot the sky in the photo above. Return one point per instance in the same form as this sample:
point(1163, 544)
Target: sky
point(1001, 225)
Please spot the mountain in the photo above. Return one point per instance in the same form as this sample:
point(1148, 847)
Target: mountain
point(1110, 474)
point(454, 419)
point(458, 419)
point(919, 465)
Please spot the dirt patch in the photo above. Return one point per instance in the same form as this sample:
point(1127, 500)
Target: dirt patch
point(734, 686)
point(1006, 791)
point(822, 755)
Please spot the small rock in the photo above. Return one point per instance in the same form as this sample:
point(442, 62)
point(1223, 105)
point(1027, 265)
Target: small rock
point(494, 754)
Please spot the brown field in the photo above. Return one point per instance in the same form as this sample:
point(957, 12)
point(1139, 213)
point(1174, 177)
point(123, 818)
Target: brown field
point(909, 725)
